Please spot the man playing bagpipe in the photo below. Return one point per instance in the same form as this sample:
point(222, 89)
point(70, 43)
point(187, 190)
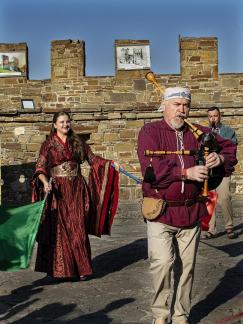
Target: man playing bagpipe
point(168, 152)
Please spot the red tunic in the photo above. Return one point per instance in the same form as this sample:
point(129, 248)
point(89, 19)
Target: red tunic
point(63, 243)
point(167, 168)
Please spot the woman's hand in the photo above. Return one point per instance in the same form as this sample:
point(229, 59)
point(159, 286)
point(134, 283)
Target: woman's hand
point(47, 187)
point(116, 166)
point(46, 184)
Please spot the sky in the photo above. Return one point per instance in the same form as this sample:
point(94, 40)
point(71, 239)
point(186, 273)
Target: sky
point(100, 22)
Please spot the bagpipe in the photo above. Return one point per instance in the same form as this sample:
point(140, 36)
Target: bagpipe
point(207, 144)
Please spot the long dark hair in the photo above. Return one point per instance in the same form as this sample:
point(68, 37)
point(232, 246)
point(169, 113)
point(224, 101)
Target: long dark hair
point(75, 142)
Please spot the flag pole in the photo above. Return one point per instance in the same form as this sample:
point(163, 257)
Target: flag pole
point(128, 174)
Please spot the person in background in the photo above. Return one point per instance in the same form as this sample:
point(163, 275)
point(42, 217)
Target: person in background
point(74, 208)
point(223, 190)
point(173, 237)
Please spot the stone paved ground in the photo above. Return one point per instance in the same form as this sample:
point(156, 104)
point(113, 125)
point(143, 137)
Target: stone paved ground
point(120, 290)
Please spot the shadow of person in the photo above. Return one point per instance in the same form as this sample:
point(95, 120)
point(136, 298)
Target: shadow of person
point(233, 250)
point(55, 313)
point(48, 313)
point(17, 301)
point(239, 229)
point(101, 316)
point(230, 286)
point(119, 258)
point(106, 263)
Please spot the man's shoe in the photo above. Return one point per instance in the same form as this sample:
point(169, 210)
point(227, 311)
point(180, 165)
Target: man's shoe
point(159, 321)
point(231, 234)
point(208, 236)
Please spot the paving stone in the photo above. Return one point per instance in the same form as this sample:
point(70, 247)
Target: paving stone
point(120, 289)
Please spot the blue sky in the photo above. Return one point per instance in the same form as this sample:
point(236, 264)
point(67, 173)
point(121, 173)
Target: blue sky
point(100, 22)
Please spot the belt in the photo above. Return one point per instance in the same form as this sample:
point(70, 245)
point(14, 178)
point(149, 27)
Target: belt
point(66, 169)
point(187, 202)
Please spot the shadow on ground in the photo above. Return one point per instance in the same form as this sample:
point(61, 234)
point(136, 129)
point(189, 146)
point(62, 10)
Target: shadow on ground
point(117, 259)
point(229, 287)
point(18, 300)
point(54, 312)
point(238, 229)
point(232, 250)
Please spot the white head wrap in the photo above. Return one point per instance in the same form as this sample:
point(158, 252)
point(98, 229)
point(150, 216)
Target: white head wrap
point(175, 92)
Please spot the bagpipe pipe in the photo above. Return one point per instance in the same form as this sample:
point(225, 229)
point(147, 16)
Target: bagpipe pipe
point(207, 144)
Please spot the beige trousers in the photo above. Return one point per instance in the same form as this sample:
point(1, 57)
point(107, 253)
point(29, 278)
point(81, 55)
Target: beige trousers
point(167, 244)
point(224, 201)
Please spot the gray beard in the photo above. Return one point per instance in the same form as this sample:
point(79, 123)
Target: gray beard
point(177, 123)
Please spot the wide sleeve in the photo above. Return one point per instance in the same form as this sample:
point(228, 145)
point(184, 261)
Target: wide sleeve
point(166, 171)
point(104, 192)
point(41, 168)
point(90, 157)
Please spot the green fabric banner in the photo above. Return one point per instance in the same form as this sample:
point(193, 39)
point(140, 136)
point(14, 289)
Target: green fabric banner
point(18, 230)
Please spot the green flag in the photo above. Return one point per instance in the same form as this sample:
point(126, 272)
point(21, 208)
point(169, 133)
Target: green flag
point(18, 229)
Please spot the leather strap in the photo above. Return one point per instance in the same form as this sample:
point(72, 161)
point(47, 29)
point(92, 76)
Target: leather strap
point(187, 202)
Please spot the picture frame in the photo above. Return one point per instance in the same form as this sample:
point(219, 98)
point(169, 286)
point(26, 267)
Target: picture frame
point(13, 64)
point(133, 57)
point(27, 104)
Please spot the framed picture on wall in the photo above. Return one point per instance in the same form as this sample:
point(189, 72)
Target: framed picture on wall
point(134, 57)
point(27, 104)
point(12, 64)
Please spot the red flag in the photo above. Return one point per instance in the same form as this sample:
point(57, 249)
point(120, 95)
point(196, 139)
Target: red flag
point(211, 205)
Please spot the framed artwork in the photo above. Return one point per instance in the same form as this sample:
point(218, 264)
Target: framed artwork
point(12, 64)
point(134, 57)
point(27, 103)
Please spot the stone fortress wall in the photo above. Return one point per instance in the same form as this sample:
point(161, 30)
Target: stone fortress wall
point(108, 110)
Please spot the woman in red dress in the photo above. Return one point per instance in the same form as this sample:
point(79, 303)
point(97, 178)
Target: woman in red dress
point(73, 208)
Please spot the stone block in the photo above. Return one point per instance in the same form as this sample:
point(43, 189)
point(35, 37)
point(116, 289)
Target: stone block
point(98, 148)
point(38, 139)
point(11, 146)
point(194, 59)
point(140, 85)
point(49, 97)
point(97, 137)
point(19, 131)
point(83, 117)
point(122, 97)
point(135, 123)
point(129, 115)
point(33, 147)
point(111, 137)
point(124, 194)
point(125, 155)
point(127, 134)
point(230, 83)
point(149, 115)
point(114, 115)
point(127, 147)
point(61, 99)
